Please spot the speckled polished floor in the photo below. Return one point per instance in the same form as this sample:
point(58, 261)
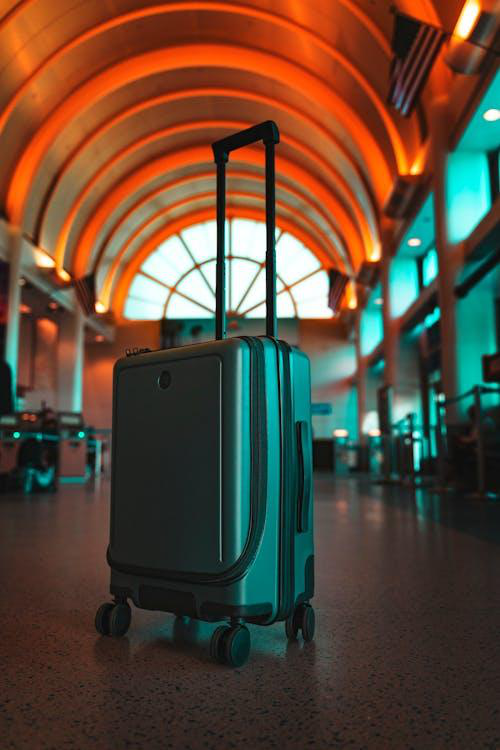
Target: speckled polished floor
point(407, 653)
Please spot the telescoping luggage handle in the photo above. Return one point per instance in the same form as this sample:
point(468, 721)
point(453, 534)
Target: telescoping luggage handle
point(268, 133)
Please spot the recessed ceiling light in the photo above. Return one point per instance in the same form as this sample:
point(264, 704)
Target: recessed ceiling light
point(378, 301)
point(100, 307)
point(340, 433)
point(491, 115)
point(414, 242)
point(63, 275)
point(467, 19)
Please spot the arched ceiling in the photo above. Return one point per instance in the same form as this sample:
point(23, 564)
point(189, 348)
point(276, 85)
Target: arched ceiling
point(108, 110)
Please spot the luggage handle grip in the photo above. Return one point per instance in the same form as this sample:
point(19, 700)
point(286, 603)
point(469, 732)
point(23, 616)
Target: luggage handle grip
point(268, 133)
point(305, 475)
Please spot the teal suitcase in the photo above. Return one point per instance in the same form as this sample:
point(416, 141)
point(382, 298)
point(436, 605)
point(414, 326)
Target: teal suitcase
point(211, 488)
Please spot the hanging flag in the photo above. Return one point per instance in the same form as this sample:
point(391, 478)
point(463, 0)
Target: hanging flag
point(85, 293)
point(338, 283)
point(415, 46)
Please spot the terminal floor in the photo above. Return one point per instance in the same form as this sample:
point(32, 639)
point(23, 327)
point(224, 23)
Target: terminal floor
point(407, 653)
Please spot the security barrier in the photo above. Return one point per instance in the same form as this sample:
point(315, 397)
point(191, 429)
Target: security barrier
point(482, 451)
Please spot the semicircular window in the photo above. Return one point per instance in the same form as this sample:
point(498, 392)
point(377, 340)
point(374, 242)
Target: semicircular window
point(178, 279)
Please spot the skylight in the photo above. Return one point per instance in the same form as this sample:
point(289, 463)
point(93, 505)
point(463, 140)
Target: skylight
point(178, 279)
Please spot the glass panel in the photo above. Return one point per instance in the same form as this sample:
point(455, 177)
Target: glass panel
point(242, 272)
point(249, 239)
point(430, 266)
point(146, 289)
point(284, 306)
point(202, 240)
point(209, 273)
point(136, 309)
point(193, 286)
point(315, 287)
point(293, 260)
point(159, 267)
point(257, 293)
point(259, 312)
point(178, 307)
point(175, 255)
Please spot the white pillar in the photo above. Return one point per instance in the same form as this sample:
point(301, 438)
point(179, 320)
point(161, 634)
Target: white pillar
point(391, 329)
point(70, 352)
point(13, 302)
point(360, 379)
point(447, 264)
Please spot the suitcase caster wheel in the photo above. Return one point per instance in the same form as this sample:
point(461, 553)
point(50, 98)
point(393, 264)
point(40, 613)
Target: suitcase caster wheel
point(216, 644)
point(236, 645)
point(303, 618)
point(113, 619)
point(307, 620)
point(119, 619)
point(291, 627)
point(102, 618)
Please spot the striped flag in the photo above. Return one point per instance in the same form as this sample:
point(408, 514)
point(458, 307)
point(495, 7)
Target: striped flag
point(338, 282)
point(85, 293)
point(415, 46)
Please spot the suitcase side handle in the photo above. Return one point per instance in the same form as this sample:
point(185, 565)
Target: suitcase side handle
point(305, 475)
point(268, 133)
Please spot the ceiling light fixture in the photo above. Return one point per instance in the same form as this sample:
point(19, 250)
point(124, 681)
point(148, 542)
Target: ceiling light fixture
point(63, 275)
point(467, 19)
point(414, 242)
point(340, 433)
point(43, 259)
point(491, 115)
point(100, 307)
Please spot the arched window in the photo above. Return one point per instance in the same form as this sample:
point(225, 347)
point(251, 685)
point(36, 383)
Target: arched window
point(178, 279)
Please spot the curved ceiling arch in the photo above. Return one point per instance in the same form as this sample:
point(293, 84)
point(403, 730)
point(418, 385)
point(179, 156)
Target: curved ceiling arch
point(182, 57)
point(201, 155)
point(343, 210)
point(356, 181)
point(118, 290)
point(169, 186)
point(309, 233)
point(194, 5)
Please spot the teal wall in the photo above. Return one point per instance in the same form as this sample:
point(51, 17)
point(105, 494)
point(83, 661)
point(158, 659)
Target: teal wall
point(372, 323)
point(476, 328)
point(468, 195)
point(403, 284)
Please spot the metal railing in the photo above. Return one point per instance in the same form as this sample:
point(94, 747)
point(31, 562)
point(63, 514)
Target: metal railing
point(479, 445)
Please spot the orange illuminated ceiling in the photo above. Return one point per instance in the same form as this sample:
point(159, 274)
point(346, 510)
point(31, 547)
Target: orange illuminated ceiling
point(107, 112)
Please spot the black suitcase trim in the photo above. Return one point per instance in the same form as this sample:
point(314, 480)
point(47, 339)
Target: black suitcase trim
point(288, 487)
point(258, 490)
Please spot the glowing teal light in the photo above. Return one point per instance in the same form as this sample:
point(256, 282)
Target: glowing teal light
point(81, 434)
point(372, 323)
point(468, 194)
point(16, 435)
point(404, 288)
point(430, 266)
point(433, 317)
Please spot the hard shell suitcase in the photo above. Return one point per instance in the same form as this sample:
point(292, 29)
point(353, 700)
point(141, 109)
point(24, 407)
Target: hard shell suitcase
point(211, 489)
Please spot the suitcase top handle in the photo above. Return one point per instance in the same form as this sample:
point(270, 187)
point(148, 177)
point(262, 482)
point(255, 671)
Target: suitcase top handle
point(268, 133)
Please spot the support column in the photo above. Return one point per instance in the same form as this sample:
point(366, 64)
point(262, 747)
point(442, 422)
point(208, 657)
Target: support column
point(13, 302)
point(391, 331)
point(70, 352)
point(360, 379)
point(447, 265)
